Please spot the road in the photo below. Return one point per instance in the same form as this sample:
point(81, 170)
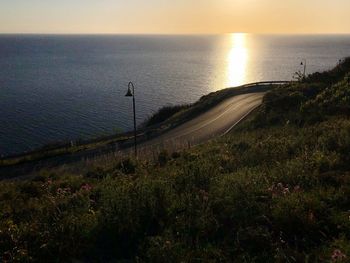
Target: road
point(215, 122)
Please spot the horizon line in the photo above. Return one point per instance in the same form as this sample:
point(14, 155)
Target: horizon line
point(171, 34)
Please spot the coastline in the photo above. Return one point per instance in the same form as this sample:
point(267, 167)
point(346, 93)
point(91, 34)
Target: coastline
point(105, 145)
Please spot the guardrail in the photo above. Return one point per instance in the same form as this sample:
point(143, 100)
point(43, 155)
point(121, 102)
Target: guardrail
point(49, 152)
point(265, 83)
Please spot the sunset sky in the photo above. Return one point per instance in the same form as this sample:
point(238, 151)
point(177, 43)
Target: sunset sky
point(174, 16)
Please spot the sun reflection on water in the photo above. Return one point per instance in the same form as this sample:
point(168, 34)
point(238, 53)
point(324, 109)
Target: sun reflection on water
point(237, 59)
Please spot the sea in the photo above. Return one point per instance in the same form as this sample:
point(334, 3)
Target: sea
point(56, 88)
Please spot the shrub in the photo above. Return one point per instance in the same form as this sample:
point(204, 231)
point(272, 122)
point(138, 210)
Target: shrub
point(276, 189)
point(164, 113)
point(127, 166)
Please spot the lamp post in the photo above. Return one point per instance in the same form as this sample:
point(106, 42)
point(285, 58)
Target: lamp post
point(131, 93)
point(303, 63)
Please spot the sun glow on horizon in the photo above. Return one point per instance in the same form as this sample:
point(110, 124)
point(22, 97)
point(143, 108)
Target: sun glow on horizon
point(175, 17)
point(237, 60)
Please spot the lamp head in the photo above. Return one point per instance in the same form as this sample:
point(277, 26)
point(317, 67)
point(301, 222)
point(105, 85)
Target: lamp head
point(129, 93)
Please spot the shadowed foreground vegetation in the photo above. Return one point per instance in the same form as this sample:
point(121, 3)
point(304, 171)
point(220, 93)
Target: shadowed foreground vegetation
point(277, 189)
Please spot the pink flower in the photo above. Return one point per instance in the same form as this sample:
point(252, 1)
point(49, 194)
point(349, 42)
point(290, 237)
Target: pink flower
point(278, 190)
point(338, 256)
point(47, 183)
point(63, 191)
point(86, 187)
point(285, 190)
point(297, 188)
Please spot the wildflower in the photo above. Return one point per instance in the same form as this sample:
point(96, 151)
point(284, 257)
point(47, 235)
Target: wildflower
point(281, 239)
point(338, 256)
point(43, 246)
point(297, 188)
point(278, 190)
point(63, 191)
point(167, 243)
point(86, 187)
point(47, 183)
point(285, 190)
point(204, 194)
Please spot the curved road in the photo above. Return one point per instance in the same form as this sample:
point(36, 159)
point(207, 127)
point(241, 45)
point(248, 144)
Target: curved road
point(216, 121)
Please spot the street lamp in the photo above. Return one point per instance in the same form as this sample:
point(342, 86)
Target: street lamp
point(131, 93)
point(303, 63)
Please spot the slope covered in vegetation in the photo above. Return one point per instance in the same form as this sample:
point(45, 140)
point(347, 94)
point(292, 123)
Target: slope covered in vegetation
point(277, 189)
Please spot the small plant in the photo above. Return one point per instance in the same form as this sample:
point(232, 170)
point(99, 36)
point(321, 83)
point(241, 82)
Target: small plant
point(274, 190)
point(163, 157)
point(127, 166)
point(298, 76)
point(164, 113)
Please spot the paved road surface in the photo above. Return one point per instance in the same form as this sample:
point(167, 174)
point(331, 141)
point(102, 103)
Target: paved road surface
point(217, 121)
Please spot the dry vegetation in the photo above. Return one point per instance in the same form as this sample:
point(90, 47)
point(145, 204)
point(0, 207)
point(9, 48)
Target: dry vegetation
point(276, 189)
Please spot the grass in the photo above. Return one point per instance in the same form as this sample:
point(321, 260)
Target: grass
point(275, 189)
point(164, 119)
point(66, 149)
point(187, 112)
point(164, 114)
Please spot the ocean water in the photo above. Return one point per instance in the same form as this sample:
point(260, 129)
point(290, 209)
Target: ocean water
point(58, 88)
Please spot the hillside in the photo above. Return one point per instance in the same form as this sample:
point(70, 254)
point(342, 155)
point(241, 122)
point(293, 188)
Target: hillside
point(276, 189)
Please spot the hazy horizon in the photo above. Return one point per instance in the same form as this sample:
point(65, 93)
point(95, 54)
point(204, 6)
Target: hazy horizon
point(169, 17)
point(172, 34)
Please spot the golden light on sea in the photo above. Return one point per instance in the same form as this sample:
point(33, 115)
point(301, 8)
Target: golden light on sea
point(237, 60)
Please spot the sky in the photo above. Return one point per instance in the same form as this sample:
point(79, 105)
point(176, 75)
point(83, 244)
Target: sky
point(174, 16)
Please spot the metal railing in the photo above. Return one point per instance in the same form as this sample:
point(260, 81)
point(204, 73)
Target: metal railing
point(265, 83)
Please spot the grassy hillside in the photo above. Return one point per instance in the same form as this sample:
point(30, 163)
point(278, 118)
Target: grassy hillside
point(164, 119)
point(276, 189)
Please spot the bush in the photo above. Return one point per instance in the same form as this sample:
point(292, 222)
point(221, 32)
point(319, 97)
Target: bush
point(127, 166)
point(164, 113)
point(163, 158)
point(276, 189)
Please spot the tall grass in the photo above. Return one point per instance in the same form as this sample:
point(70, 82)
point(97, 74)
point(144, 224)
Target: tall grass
point(276, 189)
